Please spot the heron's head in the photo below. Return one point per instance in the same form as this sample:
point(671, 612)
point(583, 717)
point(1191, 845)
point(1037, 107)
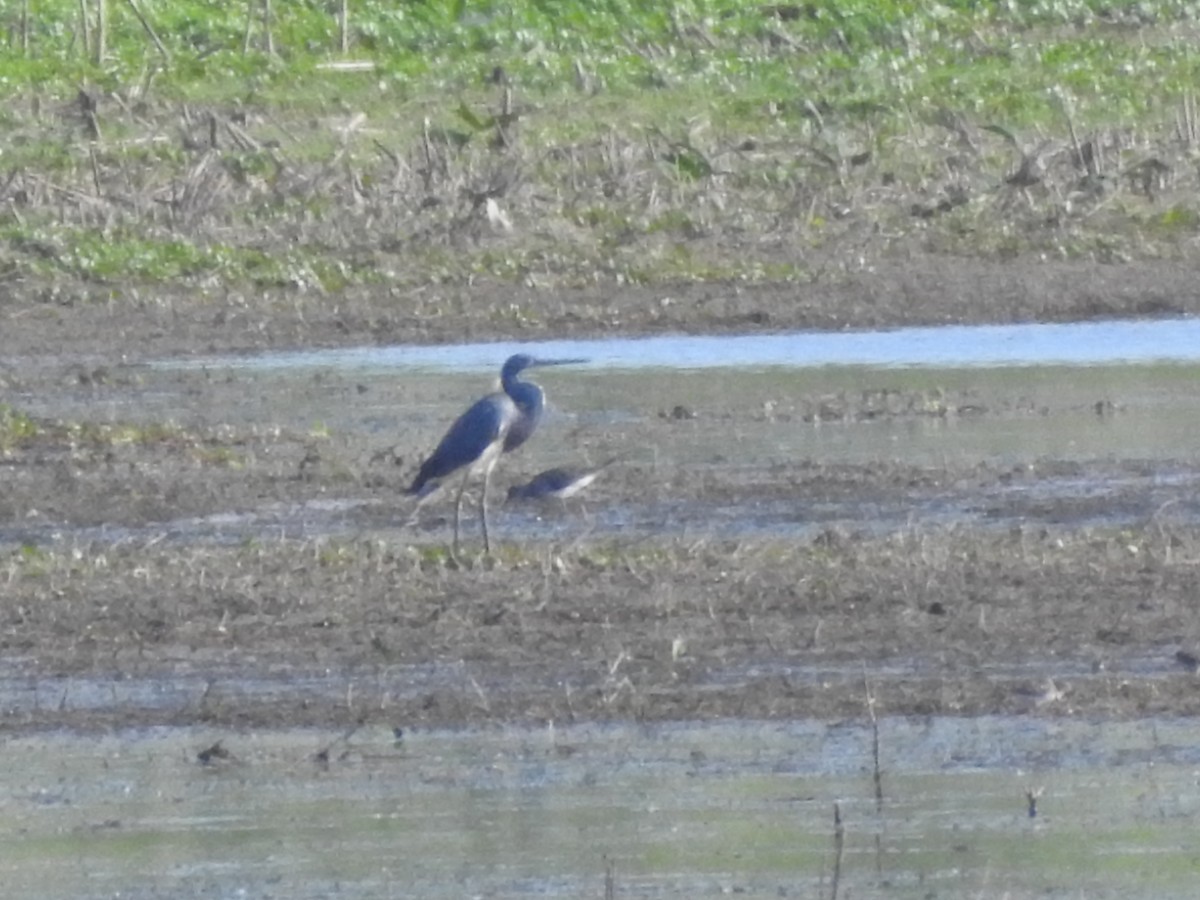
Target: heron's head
point(516, 364)
point(521, 361)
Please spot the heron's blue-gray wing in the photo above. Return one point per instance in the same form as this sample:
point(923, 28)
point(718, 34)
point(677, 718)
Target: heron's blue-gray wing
point(485, 422)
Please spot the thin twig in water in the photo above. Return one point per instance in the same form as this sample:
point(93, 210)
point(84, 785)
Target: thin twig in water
point(322, 755)
point(839, 844)
point(878, 774)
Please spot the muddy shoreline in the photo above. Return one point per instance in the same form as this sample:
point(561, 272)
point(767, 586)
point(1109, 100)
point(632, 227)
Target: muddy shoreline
point(103, 328)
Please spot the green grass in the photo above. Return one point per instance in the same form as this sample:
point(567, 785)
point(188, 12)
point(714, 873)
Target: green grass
point(854, 58)
point(122, 255)
point(643, 142)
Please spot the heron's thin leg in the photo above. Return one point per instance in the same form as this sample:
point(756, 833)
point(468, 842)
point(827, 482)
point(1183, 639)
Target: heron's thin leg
point(487, 477)
point(458, 507)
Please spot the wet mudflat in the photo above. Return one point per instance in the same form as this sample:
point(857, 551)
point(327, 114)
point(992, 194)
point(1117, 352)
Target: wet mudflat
point(233, 545)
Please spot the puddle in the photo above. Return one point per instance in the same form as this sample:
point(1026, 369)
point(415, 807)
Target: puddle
point(948, 346)
point(688, 810)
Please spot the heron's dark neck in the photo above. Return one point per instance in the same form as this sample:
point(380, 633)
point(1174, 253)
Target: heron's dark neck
point(513, 385)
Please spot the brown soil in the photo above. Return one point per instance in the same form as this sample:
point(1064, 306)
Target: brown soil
point(923, 290)
point(977, 617)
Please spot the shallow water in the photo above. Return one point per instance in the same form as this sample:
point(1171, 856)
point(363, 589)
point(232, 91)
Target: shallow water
point(949, 346)
point(743, 421)
point(1067, 391)
point(690, 810)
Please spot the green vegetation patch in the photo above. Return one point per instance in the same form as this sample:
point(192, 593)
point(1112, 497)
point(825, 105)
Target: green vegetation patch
point(20, 431)
point(15, 428)
point(566, 143)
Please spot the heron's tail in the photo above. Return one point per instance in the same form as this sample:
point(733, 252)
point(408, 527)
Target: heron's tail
point(420, 485)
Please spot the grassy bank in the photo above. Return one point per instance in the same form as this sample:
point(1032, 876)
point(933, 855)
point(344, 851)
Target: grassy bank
point(187, 150)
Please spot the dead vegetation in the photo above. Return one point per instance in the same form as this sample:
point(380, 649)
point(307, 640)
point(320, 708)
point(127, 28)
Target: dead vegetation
point(947, 621)
point(245, 201)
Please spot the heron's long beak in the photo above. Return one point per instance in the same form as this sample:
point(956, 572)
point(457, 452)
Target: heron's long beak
point(541, 363)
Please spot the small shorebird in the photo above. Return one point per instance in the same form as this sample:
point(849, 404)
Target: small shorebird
point(560, 483)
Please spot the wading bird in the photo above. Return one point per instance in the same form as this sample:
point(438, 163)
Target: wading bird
point(560, 483)
point(498, 423)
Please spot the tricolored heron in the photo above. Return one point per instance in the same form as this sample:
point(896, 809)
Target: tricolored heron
point(498, 423)
point(561, 483)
